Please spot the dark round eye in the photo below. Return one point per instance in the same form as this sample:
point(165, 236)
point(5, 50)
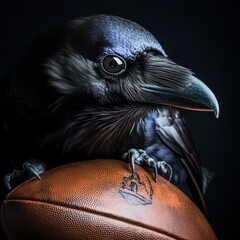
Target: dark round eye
point(114, 64)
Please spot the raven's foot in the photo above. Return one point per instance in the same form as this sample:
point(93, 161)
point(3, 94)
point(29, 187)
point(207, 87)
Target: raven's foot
point(140, 157)
point(166, 169)
point(30, 168)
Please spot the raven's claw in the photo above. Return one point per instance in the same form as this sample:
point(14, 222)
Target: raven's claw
point(13, 175)
point(165, 168)
point(34, 167)
point(140, 157)
point(30, 168)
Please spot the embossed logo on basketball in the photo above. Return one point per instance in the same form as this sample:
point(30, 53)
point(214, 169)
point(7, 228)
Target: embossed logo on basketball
point(137, 190)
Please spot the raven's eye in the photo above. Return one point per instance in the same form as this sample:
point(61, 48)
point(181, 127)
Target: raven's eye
point(114, 64)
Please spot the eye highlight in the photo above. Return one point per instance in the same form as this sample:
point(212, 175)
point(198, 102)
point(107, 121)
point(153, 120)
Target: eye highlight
point(113, 64)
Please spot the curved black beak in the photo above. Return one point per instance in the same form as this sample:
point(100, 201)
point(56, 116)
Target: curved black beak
point(171, 84)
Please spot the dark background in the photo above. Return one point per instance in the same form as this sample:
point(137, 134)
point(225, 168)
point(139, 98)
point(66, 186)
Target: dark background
point(196, 34)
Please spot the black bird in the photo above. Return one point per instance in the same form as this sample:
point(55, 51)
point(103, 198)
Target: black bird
point(102, 87)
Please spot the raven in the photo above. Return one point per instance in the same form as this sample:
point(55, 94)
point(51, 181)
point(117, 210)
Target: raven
point(102, 86)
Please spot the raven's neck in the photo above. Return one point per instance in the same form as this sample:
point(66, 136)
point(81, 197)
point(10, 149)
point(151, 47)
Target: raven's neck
point(111, 131)
point(97, 132)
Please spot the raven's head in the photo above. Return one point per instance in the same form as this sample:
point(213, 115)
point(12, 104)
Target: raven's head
point(109, 60)
point(96, 76)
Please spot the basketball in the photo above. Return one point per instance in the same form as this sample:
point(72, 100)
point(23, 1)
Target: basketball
point(100, 199)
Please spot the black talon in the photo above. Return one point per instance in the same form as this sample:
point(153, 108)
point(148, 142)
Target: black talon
point(6, 180)
point(34, 167)
point(30, 168)
point(132, 166)
point(165, 168)
point(140, 157)
point(150, 162)
point(131, 156)
point(155, 172)
point(15, 174)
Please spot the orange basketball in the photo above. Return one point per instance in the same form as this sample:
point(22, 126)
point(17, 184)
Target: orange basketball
point(99, 199)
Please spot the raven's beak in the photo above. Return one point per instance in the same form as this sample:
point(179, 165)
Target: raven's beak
point(170, 84)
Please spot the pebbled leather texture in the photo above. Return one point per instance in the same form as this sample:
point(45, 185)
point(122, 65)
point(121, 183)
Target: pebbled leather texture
point(98, 199)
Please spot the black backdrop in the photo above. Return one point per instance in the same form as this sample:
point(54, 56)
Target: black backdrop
point(198, 35)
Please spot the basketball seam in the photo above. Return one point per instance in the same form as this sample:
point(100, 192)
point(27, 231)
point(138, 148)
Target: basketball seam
point(103, 214)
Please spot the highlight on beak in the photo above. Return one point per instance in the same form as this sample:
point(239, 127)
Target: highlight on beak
point(202, 96)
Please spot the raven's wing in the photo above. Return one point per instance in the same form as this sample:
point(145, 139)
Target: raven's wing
point(172, 129)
